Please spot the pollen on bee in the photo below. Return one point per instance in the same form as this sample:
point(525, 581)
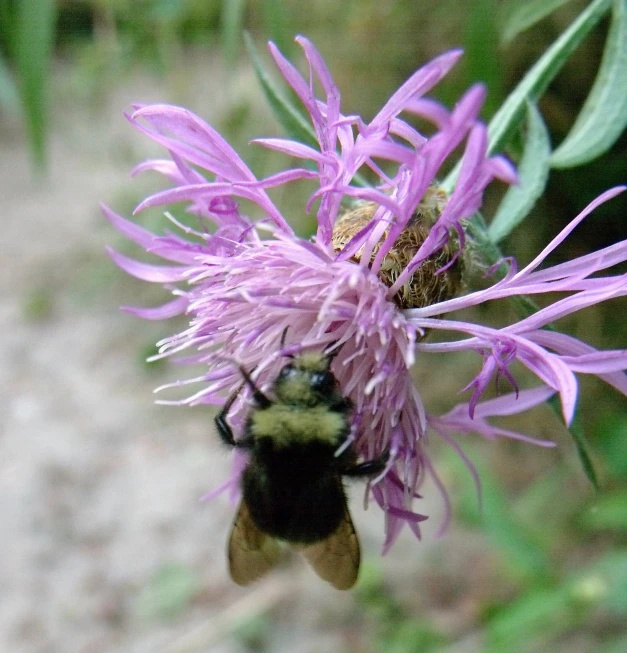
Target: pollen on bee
point(432, 281)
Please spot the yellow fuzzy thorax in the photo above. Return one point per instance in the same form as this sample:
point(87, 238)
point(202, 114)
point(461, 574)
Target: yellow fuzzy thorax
point(297, 392)
point(287, 425)
point(311, 361)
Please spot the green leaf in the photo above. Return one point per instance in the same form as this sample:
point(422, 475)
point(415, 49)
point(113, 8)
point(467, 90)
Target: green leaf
point(487, 249)
point(534, 83)
point(276, 23)
point(604, 113)
point(232, 27)
point(609, 512)
point(533, 173)
point(581, 444)
point(7, 28)
point(611, 443)
point(293, 122)
point(35, 27)
point(481, 51)
point(506, 119)
point(527, 14)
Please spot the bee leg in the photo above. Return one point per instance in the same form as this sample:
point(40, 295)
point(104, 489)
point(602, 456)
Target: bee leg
point(367, 468)
point(224, 429)
point(343, 405)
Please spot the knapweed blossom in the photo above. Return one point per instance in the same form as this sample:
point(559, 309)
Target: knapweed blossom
point(383, 270)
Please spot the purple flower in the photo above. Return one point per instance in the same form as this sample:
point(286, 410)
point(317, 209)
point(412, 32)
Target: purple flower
point(378, 276)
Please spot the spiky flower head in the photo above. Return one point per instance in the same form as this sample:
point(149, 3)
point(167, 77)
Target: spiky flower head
point(384, 268)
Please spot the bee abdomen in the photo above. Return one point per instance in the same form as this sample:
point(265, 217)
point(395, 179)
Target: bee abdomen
point(301, 512)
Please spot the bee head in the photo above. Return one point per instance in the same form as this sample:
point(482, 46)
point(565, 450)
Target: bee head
point(306, 380)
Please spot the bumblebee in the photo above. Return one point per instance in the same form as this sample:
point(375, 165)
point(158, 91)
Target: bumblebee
point(292, 488)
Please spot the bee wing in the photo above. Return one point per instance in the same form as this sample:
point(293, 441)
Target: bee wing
point(337, 558)
point(251, 552)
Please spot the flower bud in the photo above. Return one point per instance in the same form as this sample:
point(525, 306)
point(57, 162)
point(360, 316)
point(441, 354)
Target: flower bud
point(432, 281)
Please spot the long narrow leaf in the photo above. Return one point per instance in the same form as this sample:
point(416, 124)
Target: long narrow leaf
point(543, 72)
point(604, 114)
point(534, 83)
point(275, 18)
point(527, 14)
point(232, 27)
point(292, 121)
point(481, 51)
point(35, 35)
point(581, 444)
point(7, 28)
point(533, 173)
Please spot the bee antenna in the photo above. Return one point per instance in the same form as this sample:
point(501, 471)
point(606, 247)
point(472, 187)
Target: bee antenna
point(282, 344)
point(259, 397)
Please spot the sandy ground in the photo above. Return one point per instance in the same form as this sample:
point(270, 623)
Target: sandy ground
point(105, 545)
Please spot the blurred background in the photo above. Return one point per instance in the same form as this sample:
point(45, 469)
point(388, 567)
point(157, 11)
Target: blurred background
point(105, 545)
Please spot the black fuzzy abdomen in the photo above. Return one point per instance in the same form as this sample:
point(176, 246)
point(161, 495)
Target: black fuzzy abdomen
point(294, 494)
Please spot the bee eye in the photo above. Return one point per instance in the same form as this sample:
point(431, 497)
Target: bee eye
point(286, 371)
point(322, 381)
